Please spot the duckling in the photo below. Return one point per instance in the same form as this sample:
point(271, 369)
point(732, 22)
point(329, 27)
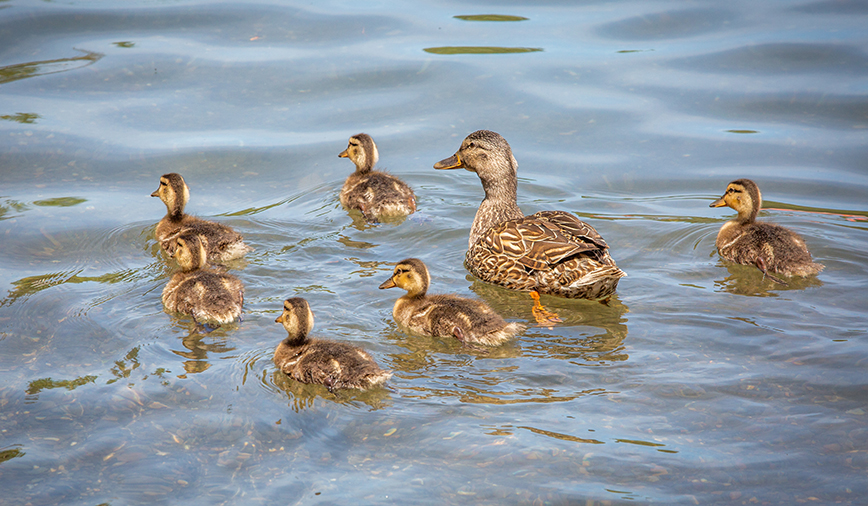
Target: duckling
point(470, 321)
point(329, 363)
point(550, 252)
point(772, 248)
point(224, 244)
point(207, 295)
point(374, 193)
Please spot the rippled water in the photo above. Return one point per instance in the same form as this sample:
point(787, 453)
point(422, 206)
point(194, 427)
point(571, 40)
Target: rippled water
point(699, 383)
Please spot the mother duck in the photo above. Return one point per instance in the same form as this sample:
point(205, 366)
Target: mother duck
point(551, 252)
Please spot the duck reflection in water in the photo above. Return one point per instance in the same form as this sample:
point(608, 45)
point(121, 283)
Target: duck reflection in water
point(303, 396)
point(747, 280)
point(198, 350)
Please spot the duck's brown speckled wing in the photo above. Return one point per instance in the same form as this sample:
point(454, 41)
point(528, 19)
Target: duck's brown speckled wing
point(551, 252)
point(572, 226)
point(540, 240)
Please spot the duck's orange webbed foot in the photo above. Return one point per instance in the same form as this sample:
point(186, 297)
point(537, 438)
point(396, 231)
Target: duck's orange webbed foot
point(543, 316)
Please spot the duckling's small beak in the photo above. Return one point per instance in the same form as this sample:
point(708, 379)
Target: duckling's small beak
point(389, 283)
point(156, 193)
point(717, 203)
point(343, 154)
point(279, 319)
point(453, 162)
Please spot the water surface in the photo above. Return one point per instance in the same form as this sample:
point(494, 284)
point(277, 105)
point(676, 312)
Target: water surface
point(700, 382)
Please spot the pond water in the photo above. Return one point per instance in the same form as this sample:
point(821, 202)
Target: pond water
point(699, 383)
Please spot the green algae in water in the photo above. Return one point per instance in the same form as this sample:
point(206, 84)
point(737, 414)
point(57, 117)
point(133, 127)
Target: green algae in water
point(11, 453)
point(39, 68)
point(39, 385)
point(480, 50)
point(22, 117)
point(60, 202)
point(490, 17)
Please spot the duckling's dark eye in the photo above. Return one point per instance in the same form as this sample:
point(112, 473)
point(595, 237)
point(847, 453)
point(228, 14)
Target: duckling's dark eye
point(163, 183)
point(471, 145)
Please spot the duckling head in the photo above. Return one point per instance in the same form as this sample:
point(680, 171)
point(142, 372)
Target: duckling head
point(488, 155)
point(411, 275)
point(297, 318)
point(189, 251)
point(174, 192)
point(744, 196)
point(362, 151)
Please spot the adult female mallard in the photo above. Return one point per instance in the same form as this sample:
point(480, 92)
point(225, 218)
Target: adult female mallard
point(224, 244)
point(329, 363)
point(208, 296)
point(374, 193)
point(772, 248)
point(551, 252)
point(470, 321)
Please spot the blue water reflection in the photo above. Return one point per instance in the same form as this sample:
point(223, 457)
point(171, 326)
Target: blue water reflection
point(698, 383)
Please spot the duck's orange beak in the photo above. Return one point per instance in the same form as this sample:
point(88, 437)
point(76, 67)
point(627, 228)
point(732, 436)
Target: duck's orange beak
point(453, 162)
point(389, 283)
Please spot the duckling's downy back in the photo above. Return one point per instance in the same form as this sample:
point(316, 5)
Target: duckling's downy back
point(329, 363)
point(772, 248)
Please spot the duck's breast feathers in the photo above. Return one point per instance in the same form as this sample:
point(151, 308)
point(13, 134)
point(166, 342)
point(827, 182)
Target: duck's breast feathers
point(542, 239)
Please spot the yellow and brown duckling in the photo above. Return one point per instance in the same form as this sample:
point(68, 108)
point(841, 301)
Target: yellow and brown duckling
point(376, 194)
point(470, 321)
point(224, 244)
point(551, 252)
point(329, 363)
point(210, 297)
point(772, 248)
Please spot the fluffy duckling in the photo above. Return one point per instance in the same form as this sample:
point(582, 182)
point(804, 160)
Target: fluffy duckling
point(470, 321)
point(550, 252)
point(329, 363)
point(772, 248)
point(207, 295)
point(224, 244)
point(374, 193)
